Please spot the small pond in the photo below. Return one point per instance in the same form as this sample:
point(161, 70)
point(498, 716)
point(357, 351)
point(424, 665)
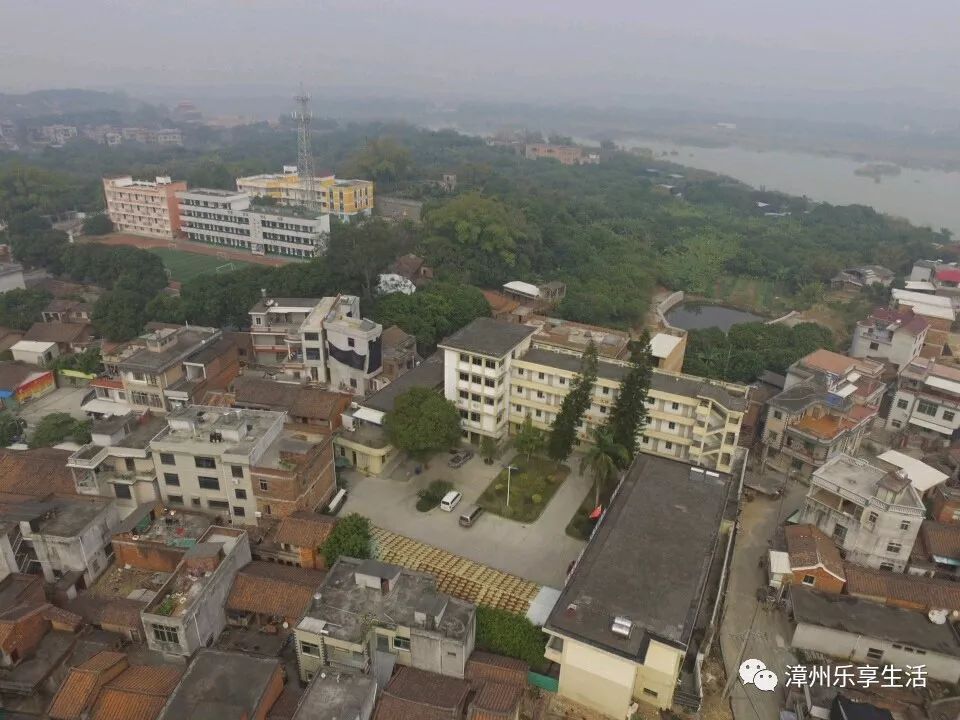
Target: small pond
point(694, 316)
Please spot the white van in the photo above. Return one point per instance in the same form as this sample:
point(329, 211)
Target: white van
point(450, 501)
point(338, 500)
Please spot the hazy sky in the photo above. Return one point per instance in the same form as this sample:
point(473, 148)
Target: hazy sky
point(531, 49)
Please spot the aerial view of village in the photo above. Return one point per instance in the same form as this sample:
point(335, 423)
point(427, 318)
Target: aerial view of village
point(480, 361)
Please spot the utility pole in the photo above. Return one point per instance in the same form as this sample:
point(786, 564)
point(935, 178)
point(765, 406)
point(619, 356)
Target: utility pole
point(304, 153)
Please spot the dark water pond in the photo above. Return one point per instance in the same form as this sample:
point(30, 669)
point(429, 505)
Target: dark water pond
point(695, 317)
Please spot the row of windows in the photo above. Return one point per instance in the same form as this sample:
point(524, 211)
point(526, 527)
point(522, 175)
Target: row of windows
point(925, 407)
point(238, 510)
point(479, 361)
point(489, 382)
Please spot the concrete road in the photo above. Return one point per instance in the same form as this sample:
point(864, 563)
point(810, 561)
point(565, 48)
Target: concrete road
point(65, 399)
point(747, 626)
point(539, 551)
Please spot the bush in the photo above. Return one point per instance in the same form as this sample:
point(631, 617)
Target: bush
point(56, 428)
point(430, 496)
point(502, 632)
point(97, 225)
point(350, 537)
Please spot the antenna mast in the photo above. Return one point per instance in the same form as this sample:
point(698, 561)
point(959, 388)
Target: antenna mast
point(304, 155)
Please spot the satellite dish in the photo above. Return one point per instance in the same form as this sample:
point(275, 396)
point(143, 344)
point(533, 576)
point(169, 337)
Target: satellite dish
point(286, 625)
point(938, 616)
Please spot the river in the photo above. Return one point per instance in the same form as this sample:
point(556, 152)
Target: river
point(925, 197)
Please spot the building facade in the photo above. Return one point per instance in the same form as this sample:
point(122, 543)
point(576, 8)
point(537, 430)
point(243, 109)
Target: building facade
point(872, 515)
point(927, 400)
point(344, 198)
point(896, 336)
point(222, 217)
point(322, 340)
point(142, 207)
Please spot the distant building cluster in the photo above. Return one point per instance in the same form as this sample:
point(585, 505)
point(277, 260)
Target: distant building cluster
point(59, 135)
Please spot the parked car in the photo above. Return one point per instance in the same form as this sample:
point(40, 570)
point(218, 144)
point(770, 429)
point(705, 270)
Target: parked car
point(450, 500)
point(469, 516)
point(459, 458)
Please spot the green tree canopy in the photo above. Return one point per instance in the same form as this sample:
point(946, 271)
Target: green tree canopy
point(432, 313)
point(58, 427)
point(11, 427)
point(563, 434)
point(529, 439)
point(629, 412)
point(381, 159)
point(19, 309)
point(119, 315)
point(350, 538)
point(423, 422)
point(99, 224)
point(602, 461)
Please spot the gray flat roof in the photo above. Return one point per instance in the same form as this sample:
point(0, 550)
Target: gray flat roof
point(487, 336)
point(188, 341)
point(220, 686)
point(873, 620)
point(649, 559)
point(428, 374)
point(335, 695)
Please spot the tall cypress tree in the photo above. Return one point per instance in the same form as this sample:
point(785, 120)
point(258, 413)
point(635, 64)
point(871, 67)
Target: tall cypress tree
point(564, 431)
point(629, 413)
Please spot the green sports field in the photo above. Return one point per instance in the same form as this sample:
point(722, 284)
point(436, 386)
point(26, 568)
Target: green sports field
point(185, 265)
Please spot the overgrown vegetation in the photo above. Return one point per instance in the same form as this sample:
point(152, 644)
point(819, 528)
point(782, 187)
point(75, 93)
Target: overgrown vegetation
point(504, 633)
point(56, 428)
point(422, 423)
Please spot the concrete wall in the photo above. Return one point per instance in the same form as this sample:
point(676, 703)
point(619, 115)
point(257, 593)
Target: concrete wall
point(852, 647)
point(601, 681)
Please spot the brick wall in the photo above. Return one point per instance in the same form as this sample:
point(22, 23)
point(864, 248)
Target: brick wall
point(147, 556)
point(823, 581)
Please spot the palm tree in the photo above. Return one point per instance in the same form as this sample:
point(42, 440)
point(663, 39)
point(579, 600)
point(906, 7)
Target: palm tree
point(602, 460)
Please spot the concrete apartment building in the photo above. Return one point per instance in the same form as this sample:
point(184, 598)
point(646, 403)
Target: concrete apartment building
point(142, 207)
point(322, 340)
point(689, 418)
point(369, 615)
point(228, 218)
point(477, 362)
point(895, 336)
point(927, 400)
point(155, 369)
point(187, 612)
point(117, 462)
point(828, 403)
point(239, 464)
point(625, 627)
point(344, 198)
point(873, 515)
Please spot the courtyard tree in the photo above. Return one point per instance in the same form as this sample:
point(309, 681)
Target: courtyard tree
point(563, 434)
point(489, 449)
point(529, 439)
point(349, 538)
point(422, 422)
point(11, 427)
point(629, 412)
point(603, 460)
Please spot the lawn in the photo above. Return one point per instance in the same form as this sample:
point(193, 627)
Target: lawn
point(531, 487)
point(186, 265)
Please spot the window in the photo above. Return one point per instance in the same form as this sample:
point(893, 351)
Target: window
point(563, 381)
point(894, 547)
point(948, 416)
point(902, 404)
point(489, 382)
point(896, 423)
point(492, 364)
point(905, 525)
point(353, 383)
point(668, 445)
point(171, 479)
point(649, 693)
point(539, 413)
point(777, 415)
point(488, 401)
point(218, 504)
point(674, 406)
point(464, 357)
point(202, 461)
point(311, 336)
point(208, 483)
point(175, 499)
point(475, 417)
point(540, 376)
point(605, 390)
point(264, 485)
point(671, 426)
point(475, 397)
point(464, 395)
point(195, 502)
point(128, 462)
point(166, 634)
point(773, 437)
point(809, 580)
point(603, 410)
point(925, 407)
point(241, 494)
point(476, 360)
point(351, 342)
point(309, 649)
point(874, 346)
point(122, 491)
point(477, 379)
point(872, 518)
point(465, 377)
point(888, 567)
point(401, 643)
point(167, 459)
point(874, 654)
point(239, 511)
point(236, 471)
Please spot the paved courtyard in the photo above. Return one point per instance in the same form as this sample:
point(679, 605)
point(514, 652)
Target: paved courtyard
point(65, 400)
point(540, 551)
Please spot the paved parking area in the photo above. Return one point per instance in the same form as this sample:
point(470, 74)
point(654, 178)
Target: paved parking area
point(65, 399)
point(540, 551)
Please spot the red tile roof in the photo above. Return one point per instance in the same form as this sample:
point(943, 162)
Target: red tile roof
point(274, 590)
point(941, 539)
point(495, 700)
point(80, 688)
point(923, 592)
point(906, 317)
point(810, 547)
point(36, 472)
point(138, 693)
point(487, 667)
point(420, 695)
point(304, 529)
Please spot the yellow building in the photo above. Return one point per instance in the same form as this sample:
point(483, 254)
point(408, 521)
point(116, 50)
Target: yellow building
point(625, 629)
point(343, 198)
point(689, 418)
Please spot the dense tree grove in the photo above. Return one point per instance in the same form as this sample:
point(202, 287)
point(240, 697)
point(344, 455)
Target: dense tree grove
point(19, 309)
point(747, 350)
point(422, 423)
point(432, 313)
